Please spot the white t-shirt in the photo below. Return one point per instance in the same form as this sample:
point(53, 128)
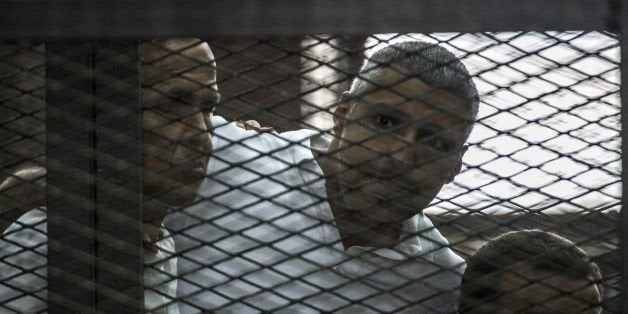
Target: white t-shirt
point(23, 268)
point(261, 238)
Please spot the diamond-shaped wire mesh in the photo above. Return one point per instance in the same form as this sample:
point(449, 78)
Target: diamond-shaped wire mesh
point(332, 202)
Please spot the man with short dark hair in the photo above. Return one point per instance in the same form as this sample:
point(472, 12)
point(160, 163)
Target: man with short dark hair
point(303, 222)
point(531, 271)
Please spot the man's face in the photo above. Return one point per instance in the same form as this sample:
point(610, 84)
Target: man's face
point(533, 291)
point(176, 86)
point(399, 145)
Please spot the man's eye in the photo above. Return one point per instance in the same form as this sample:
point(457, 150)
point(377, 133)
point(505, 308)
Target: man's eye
point(437, 144)
point(385, 122)
point(181, 95)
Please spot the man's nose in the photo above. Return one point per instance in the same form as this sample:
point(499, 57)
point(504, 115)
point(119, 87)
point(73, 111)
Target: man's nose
point(412, 152)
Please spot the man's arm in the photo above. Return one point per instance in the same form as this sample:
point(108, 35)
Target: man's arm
point(22, 191)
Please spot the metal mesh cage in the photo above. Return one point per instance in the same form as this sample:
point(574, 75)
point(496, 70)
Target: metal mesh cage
point(327, 201)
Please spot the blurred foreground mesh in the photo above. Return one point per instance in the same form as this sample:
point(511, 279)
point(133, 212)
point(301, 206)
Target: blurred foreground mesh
point(544, 153)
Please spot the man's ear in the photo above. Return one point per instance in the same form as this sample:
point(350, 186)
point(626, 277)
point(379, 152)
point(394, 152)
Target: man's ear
point(458, 167)
point(340, 112)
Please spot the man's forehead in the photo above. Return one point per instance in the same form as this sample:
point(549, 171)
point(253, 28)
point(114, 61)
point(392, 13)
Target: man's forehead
point(526, 274)
point(396, 86)
point(188, 57)
point(399, 81)
point(190, 47)
point(539, 287)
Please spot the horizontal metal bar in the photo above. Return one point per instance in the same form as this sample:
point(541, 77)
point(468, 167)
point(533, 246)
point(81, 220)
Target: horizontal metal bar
point(76, 18)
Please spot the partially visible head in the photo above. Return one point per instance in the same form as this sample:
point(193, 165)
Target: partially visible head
point(401, 129)
point(531, 271)
point(180, 69)
point(178, 86)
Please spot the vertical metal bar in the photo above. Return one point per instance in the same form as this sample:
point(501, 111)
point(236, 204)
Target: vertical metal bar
point(623, 30)
point(71, 170)
point(94, 177)
point(118, 135)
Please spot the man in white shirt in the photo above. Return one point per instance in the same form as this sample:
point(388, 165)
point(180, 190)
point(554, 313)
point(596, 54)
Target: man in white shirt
point(307, 223)
point(299, 222)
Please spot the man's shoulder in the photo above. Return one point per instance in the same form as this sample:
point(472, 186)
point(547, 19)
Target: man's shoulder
point(236, 142)
point(34, 218)
point(240, 131)
point(28, 232)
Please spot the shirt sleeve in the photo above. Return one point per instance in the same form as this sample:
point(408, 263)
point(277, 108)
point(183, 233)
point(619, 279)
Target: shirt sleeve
point(23, 271)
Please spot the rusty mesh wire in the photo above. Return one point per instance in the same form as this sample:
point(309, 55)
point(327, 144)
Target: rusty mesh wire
point(261, 236)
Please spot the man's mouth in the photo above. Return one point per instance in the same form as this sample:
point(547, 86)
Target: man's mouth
point(201, 167)
point(382, 175)
point(390, 190)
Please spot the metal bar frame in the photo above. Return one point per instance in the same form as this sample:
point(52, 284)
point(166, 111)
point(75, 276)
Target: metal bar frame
point(70, 192)
point(119, 18)
point(622, 21)
point(221, 18)
point(94, 151)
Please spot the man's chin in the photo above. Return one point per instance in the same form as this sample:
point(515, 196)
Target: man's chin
point(386, 211)
point(376, 217)
point(182, 200)
point(367, 232)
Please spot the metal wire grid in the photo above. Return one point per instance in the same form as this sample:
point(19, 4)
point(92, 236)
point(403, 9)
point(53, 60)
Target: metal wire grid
point(23, 114)
point(544, 150)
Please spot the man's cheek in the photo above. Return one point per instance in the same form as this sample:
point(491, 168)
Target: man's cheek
point(153, 166)
point(443, 168)
point(151, 187)
point(170, 190)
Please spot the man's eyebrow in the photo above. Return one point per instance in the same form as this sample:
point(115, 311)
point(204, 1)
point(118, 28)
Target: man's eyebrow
point(387, 110)
point(425, 124)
